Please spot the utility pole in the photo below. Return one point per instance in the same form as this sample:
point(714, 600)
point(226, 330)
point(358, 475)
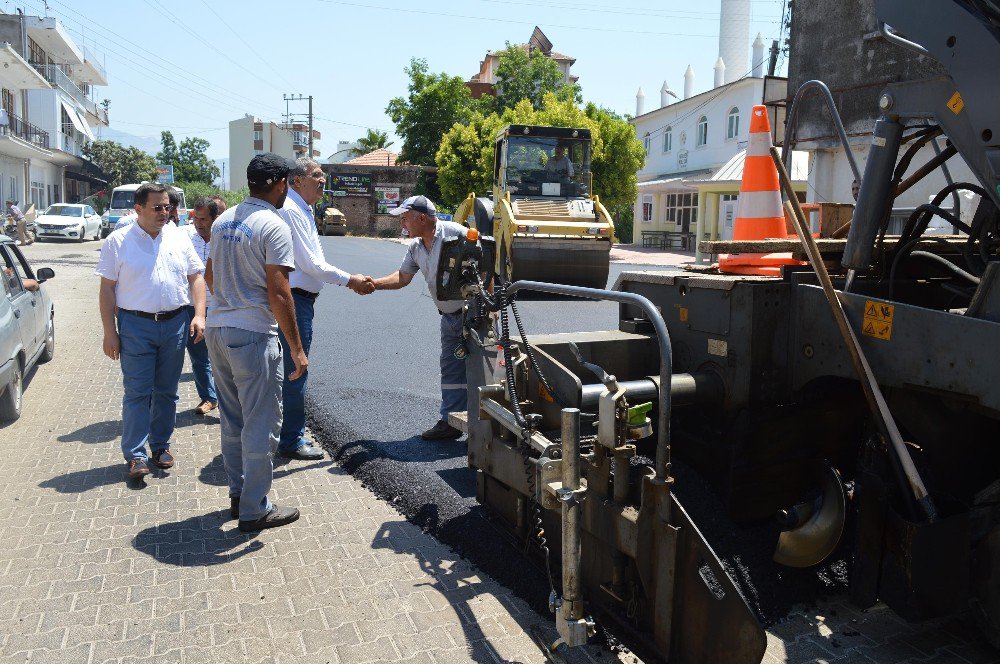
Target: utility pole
point(290, 117)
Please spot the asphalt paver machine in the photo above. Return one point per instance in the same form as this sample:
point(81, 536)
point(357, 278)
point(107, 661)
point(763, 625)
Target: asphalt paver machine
point(880, 436)
point(547, 224)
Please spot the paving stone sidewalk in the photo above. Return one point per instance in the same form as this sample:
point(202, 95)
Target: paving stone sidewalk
point(95, 569)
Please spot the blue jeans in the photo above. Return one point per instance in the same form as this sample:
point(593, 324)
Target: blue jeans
point(293, 392)
point(453, 388)
point(201, 366)
point(248, 377)
point(152, 355)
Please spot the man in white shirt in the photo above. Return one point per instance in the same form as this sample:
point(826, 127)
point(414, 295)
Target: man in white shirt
point(203, 214)
point(149, 274)
point(311, 273)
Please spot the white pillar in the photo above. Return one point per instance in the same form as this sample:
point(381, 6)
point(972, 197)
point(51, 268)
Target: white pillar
point(665, 94)
point(640, 102)
point(689, 82)
point(734, 34)
point(757, 59)
point(720, 73)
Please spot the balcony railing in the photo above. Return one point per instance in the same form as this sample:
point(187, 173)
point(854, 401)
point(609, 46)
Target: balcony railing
point(55, 75)
point(91, 58)
point(25, 130)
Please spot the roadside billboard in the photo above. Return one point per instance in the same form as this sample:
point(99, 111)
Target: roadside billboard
point(165, 173)
point(386, 198)
point(350, 184)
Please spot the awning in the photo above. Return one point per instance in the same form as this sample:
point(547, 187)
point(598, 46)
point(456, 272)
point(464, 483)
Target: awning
point(78, 122)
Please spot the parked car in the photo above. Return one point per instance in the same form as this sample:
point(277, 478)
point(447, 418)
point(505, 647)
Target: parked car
point(72, 221)
point(27, 324)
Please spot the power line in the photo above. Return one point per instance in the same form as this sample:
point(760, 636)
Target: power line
point(250, 48)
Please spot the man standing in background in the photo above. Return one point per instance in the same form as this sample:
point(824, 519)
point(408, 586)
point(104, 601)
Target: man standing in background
point(203, 215)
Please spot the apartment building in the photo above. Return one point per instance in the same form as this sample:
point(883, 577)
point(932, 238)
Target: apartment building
point(485, 82)
point(47, 90)
point(249, 136)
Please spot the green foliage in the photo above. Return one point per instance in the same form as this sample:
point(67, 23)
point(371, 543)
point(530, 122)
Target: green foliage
point(433, 104)
point(389, 232)
point(372, 141)
point(189, 160)
point(195, 190)
point(465, 159)
point(524, 75)
point(121, 165)
point(615, 172)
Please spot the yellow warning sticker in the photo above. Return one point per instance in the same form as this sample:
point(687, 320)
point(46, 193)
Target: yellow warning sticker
point(684, 314)
point(956, 103)
point(878, 320)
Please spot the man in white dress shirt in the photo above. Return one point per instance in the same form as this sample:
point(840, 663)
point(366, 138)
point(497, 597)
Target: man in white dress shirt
point(311, 273)
point(149, 274)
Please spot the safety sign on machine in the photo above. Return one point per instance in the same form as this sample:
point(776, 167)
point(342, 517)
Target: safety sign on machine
point(878, 320)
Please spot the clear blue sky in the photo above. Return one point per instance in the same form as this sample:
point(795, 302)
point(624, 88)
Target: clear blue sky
point(191, 66)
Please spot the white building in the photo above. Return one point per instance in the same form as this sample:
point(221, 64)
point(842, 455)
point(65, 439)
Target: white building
point(249, 136)
point(47, 92)
point(695, 145)
point(346, 150)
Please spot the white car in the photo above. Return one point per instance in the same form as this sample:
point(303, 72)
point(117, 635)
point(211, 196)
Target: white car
point(73, 221)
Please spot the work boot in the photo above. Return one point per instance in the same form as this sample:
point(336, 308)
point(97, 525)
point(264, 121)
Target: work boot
point(441, 431)
point(137, 468)
point(163, 459)
point(277, 516)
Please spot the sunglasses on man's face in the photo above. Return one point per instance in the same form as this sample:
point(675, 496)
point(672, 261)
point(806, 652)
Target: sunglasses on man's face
point(162, 208)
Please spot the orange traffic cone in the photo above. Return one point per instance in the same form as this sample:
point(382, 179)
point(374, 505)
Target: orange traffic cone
point(759, 215)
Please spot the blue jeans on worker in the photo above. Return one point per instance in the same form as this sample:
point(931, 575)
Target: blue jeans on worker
point(201, 366)
point(293, 392)
point(248, 377)
point(453, 388)
point(152, 355)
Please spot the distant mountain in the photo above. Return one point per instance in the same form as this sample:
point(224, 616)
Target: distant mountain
point(148, 144)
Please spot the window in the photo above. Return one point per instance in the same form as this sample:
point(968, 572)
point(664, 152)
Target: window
point(12, 270)
point(258, 135)
point(258, 152)
point(668, 139)
point(733, 124)
point(12, 193)
point(36, 53)
point(647, 208)
point(702, 131)
point(645, 142)
point(67, 124)
point(682, 209)
point(37, 189)
point(8, 100)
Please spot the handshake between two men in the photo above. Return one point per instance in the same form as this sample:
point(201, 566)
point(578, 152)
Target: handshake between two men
point(361, 284)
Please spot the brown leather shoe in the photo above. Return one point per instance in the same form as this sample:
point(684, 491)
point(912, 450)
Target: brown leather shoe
point(206, 406)
point(137, 468)
point(163, 459)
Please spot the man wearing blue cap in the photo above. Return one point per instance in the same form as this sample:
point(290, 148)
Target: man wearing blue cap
point(419, 217)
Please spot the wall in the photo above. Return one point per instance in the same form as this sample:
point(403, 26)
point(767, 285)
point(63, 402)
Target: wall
point(682, 116)
point(839, 44)
point(240, 151)
point(359, 211)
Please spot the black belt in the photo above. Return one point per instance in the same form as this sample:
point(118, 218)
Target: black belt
point(163, 315)
point(306, 294)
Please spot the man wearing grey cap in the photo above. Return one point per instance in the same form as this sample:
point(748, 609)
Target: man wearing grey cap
point(419, 217)
point(248, 265)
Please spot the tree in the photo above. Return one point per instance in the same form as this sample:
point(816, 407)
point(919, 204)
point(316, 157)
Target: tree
point(168, 150)
point(121, 165)
point(465, 158)
point(433, 104)
point(190, 162)
point(530, 74)
point(372, 141)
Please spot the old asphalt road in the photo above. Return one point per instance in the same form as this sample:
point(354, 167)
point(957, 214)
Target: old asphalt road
point(374, 387)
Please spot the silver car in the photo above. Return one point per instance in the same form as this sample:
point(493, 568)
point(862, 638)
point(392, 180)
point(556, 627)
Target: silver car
point(27, 325)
